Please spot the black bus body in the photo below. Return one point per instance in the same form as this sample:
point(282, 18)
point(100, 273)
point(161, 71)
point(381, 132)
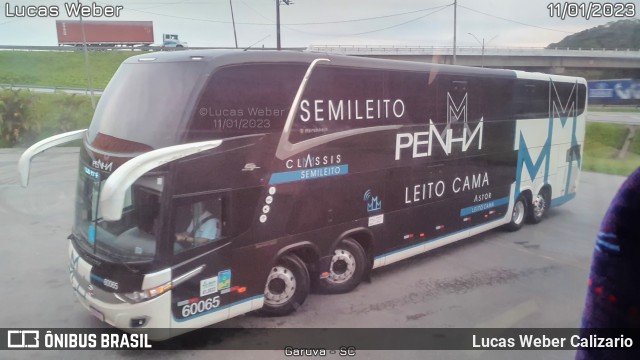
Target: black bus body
point(317, 169)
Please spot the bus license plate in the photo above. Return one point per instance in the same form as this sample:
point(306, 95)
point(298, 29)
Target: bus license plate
point(96, 313)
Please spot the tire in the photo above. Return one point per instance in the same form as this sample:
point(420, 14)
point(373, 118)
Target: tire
point(287, 286)
point(518, 214)
point(347, 268)
point(539, 206)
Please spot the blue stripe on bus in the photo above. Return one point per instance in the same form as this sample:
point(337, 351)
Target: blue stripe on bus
point(219, 308)
point(428, 241)
point(307, 174)
point(484, 206)
point(562, 199)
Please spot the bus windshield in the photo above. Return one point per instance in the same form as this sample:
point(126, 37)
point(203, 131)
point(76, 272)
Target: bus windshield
point(149, 96)
point(133, 237)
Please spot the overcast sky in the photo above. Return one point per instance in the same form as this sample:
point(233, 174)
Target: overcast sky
point(509, 23)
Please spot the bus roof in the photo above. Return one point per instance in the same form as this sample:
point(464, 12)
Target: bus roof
point(218, 58)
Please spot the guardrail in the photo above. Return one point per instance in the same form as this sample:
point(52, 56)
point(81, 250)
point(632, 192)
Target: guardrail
point(49, 89)
point(370, 50)
point(123, 48)
point(472, 50)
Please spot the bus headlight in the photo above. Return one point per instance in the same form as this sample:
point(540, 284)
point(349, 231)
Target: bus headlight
point(144, 295)
point(148, 294)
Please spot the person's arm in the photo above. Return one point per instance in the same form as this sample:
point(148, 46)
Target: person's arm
point(184, 236)
point(208, 231)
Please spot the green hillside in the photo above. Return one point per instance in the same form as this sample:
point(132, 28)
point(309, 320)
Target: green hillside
point(621, 34)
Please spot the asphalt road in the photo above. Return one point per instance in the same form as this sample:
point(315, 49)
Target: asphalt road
point(536, 277)
point(624, 118)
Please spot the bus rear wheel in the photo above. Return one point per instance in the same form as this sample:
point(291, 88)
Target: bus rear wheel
point(287, 286)
point(346, 270)
point(517, 215)
point(539, 207)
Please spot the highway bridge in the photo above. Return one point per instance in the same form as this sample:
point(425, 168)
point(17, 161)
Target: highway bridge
point(554, 61)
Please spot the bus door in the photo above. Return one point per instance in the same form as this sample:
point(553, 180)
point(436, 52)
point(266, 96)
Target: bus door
point(570, 170)
point(201, 246)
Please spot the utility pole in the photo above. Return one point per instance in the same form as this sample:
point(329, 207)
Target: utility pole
point(455, 19)
point(482, 43)
point(86, 64)
point(235, 37)
point(286, 2)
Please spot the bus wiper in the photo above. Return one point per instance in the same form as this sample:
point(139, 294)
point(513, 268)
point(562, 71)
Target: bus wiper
point(115, 257)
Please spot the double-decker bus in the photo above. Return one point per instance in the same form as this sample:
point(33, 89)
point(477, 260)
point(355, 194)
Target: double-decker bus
point(215, 183)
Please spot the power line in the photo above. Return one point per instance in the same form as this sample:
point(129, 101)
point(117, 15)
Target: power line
point(369, 18)
point(170, 3)
point(376, 30)
point(294, 24)
point(344, 21)
point(439, 8)
point(513, 21)
point(255, 11)
point(196, 19)
point(400, 24)
point(9, 21)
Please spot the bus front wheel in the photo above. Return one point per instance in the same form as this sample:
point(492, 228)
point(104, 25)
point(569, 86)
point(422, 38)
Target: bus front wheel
point(518, 214)
point(287, 286)
point(346, 270)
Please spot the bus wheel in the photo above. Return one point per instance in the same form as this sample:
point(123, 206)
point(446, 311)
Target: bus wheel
point(517, 215)
point(347, 268)
point(287, 286)
point(539, 207)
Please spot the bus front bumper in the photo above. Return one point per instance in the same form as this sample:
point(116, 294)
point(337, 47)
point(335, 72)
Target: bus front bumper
point(151, 316)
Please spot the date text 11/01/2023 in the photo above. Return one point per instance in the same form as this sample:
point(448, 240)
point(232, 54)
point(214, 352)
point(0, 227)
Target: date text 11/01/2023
point(590, 10)
point(234, 119)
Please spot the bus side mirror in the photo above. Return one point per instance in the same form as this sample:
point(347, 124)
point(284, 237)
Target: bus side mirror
point(24, 164)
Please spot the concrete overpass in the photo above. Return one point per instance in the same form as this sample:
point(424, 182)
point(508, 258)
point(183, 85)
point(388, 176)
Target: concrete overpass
point(532, 59)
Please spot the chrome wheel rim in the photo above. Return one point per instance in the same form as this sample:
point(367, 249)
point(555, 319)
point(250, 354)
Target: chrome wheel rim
point(518, 213)
point(281, 286)
point(343, 266)
point(539, 205)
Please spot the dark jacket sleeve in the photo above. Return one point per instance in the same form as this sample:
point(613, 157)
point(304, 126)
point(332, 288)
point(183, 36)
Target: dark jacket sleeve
point(613, 295)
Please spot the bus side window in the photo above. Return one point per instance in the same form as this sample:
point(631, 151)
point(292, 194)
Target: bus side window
point(247, 99)
point(200, 221)
point(147, 206)
point(568, 98)
point(531, 100)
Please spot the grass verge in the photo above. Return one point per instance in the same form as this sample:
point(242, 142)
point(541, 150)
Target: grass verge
point(601, 147)
point(35, 116)
point(620, 109)
point(60, 69)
